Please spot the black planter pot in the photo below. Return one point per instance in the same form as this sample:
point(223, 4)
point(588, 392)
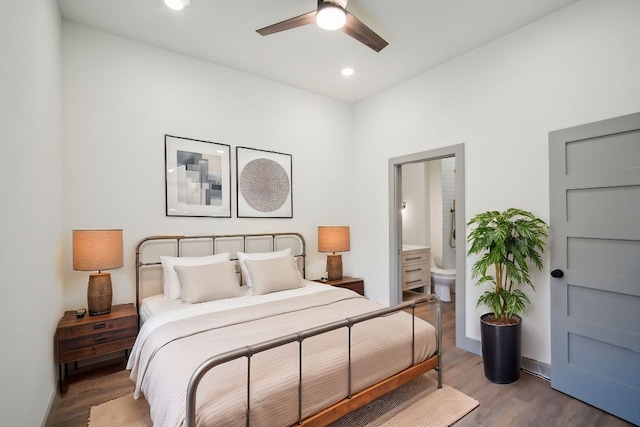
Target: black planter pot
point(501, 350)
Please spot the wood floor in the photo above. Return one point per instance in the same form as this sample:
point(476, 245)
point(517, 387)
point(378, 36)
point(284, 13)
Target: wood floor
point(528, 402)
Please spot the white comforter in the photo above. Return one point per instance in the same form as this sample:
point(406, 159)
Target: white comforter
point(177, 310)
point(171, 346)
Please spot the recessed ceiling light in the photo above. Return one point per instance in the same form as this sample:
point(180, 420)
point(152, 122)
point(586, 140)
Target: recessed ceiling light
point(347, 72)
point(177, 4)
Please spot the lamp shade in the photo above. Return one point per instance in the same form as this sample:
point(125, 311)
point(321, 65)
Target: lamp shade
point(96, 250)
point(333, 238)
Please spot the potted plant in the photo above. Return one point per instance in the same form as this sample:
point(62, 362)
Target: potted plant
point(508, 243)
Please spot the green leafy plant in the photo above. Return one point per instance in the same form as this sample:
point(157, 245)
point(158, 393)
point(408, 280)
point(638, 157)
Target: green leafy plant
point(509, 241)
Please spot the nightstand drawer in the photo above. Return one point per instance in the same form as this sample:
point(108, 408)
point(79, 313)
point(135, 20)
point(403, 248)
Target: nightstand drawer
point(95, 350)
point(98, 336)
point(97, 327)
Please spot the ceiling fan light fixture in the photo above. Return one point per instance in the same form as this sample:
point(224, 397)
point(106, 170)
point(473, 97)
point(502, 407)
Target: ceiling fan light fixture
point(330, 16)
point(177, 4)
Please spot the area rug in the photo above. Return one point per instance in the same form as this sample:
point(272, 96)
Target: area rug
point(417, 403)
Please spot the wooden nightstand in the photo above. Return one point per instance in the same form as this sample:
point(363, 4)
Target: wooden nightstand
point(89, 336)
point(353, 283)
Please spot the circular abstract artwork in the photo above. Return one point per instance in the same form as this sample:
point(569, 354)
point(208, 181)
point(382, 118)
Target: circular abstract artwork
point(264, 184)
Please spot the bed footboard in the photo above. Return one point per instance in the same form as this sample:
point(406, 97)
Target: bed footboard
point(353, 400)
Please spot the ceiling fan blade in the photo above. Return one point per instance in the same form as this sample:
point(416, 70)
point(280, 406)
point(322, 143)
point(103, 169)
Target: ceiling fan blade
point(298, 21)
point(363, 34)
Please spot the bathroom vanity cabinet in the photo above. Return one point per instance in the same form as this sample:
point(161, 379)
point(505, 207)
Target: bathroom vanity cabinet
point(416, 267)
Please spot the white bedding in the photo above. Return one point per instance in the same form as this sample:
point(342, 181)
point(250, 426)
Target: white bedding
point(156, 304)
point(183, 349)
point(165, 310)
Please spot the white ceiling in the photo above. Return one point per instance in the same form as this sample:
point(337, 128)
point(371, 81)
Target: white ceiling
point(421, 33)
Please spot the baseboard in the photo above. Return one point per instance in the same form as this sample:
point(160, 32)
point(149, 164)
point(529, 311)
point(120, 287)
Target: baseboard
point(469, 344)
point(54, 393)
point(533, 367)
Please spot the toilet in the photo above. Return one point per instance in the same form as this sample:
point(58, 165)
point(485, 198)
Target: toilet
point(442, 279)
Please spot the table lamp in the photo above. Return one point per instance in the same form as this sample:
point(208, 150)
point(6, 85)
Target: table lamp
point(97, 250)
point(333, 238)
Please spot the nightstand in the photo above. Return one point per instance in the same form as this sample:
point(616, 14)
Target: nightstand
point(353, 283)
point(89, 336)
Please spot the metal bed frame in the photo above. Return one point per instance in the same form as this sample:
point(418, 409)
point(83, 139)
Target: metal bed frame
point(344, 406)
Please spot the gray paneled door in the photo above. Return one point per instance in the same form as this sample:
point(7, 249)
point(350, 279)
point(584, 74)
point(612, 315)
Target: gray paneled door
point(595, 257)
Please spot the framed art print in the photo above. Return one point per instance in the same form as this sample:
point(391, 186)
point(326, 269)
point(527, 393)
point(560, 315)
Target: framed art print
point(264, 184)
point(197, 178)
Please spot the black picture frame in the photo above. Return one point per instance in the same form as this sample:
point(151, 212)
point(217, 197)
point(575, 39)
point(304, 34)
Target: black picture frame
point(197, 178)
point(264, 183)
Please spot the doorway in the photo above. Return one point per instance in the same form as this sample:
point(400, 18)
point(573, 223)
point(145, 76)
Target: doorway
point(395, 232)
point(428, 229)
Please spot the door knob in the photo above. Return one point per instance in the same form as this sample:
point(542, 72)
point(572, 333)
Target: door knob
point(557, 274)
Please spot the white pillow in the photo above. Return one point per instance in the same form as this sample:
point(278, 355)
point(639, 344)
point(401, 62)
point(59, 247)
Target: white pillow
point(208, 282)
point(242, 257)
point(170, 277)
point(272, 275)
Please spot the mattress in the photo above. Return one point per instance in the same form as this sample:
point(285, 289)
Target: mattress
point(174, 342)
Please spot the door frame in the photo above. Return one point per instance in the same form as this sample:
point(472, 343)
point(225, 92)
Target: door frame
point(395, 233)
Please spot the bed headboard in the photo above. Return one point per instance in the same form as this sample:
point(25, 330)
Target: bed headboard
point(149, 250)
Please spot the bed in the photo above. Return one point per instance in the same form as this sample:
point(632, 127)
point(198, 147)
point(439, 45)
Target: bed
point(268, 347)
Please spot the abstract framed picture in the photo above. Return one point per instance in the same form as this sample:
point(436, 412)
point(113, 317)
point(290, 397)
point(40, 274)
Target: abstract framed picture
point(197, 178)
point(263, 184)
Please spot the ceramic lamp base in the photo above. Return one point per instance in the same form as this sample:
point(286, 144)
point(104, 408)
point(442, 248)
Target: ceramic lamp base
point(334, 267)
point(99, 294)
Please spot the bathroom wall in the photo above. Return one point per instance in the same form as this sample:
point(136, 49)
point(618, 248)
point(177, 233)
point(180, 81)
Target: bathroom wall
point(415, 217)
point(448, 167)
point(435, 213)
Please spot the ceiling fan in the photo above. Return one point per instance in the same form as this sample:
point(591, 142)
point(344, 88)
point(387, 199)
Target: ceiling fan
point(337, 17)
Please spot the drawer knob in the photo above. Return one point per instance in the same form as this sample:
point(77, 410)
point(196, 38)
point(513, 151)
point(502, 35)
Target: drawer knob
point(99, 339)
point(100, 325)
point(414, 281)
point(414, 258)
point(414, 270)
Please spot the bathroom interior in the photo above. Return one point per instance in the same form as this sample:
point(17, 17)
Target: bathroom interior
point(428, 228)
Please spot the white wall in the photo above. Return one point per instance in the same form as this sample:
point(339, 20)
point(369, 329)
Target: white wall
point(120, 99)
point(415, 217)
point(31, 218)
point(576, 66)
